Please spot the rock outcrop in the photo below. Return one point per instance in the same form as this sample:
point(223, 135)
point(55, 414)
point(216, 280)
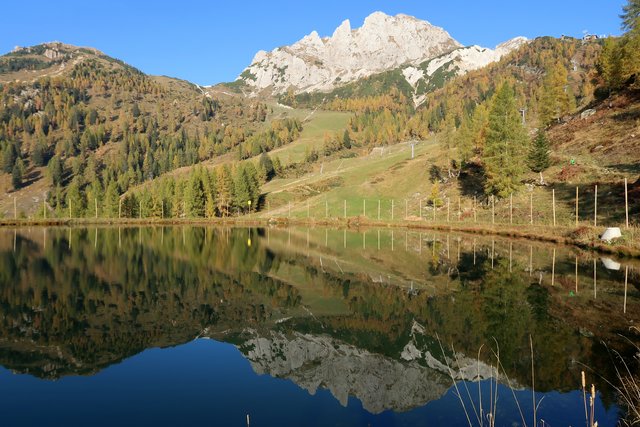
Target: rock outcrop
point(383, 43)
point(313, 63)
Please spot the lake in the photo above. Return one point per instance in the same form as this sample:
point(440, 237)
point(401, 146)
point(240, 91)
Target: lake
point(209, 326)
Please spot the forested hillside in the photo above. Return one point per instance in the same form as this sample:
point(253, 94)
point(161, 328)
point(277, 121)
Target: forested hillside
point(83, 126)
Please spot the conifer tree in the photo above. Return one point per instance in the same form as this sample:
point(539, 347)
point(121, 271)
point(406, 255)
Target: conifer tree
point(16, 174)
point(506, 143)
point(277, 166)
point(38, 155)
point(242, 190)
point(556, 101)
point(225, 190)
point(267, 165)
point(74, 197)
point(177, 201)
point(538, 159)
point(195, 197)
point(56, 170)
point(253, 184)
point(610, 64)
point(346, 139)
point(464, 140)
point(210, 207)
point(111, 200)
point(9, 158)
point(631, 15)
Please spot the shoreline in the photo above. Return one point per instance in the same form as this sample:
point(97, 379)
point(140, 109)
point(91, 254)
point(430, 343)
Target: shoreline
point(540, 233)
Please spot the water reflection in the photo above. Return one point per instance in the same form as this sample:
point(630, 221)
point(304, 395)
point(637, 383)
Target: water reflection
point(359, 313)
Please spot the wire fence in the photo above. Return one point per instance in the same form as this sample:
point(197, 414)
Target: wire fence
point(561, 206)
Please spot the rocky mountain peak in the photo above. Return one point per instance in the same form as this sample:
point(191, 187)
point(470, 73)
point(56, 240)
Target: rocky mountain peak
point(343, 32)
point(314, 63)
point(417, 48)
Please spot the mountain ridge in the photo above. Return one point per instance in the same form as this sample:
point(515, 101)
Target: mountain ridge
point(382, 43)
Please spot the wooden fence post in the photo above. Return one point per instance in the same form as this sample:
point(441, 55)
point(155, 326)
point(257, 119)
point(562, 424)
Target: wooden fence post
point(364, 208)
point(626, 203)
point(531, 207)
point(553, 199)
point(475, 212)
point(511, 209)
point(595, 207)
point(577, 193)
point(493, 209)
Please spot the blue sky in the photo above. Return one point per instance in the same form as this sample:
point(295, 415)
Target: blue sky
point(212, 41)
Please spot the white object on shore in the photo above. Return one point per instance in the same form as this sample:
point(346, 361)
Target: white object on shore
point(610, 264)
point(610, 234)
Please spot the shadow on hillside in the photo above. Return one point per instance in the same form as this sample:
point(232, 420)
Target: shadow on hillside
point(31, 177)
point(626, 167)
point(610, 202)
point(472, 180)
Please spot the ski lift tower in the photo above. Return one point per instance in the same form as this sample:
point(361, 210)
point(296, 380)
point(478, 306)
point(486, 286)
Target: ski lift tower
point(523, 111)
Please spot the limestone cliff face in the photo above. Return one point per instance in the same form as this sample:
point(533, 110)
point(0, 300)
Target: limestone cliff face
point(379, 382)
point(383, 43)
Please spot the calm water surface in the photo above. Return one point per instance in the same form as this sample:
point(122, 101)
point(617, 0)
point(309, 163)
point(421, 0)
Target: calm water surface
point(205, 326)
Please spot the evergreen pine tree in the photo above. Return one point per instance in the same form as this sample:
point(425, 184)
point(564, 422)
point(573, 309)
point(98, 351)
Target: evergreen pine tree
point(277, 166)
point(16, 174)
point(38, 155)
point(505, 146)
point(242, 190)
point(75, 198)
point(9, 158)
point(210, 207)
point(195, 197)
point(464, 140)
point(630, 15)
point(177, 200)
point(538, 159)
point(267, 164)
point(226, 186)
point(346, 139)
point(111, 200)
point(56, 170)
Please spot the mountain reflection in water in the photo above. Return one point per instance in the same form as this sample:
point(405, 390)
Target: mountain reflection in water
point(379, 315)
